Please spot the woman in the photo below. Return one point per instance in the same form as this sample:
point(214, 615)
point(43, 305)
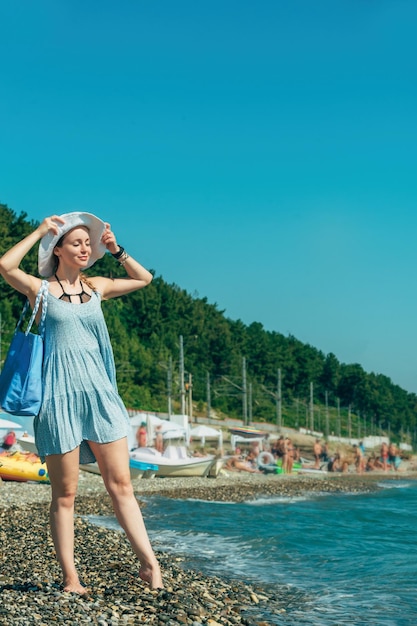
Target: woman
point(142, 436)
point(384, 456)
point(82, 417)
point(159, 439)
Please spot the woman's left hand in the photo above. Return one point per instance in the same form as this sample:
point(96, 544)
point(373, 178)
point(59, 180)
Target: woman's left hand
point(109, 240)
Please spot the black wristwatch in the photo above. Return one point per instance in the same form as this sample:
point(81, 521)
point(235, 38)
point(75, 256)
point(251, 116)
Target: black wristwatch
point(118, 254)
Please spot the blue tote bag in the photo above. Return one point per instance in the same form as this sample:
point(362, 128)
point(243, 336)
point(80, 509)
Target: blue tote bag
point(21, 377)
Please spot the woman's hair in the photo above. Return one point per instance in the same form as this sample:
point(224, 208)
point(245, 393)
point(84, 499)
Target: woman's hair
point(58, 245)
point(83, 277)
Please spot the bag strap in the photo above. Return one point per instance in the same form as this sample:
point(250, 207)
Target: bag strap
point(40, 296)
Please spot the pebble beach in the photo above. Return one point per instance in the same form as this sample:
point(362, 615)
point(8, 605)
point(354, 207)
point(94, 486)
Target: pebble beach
point(30, 576)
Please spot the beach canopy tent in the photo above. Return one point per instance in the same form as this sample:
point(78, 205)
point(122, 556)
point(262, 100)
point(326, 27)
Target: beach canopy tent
point(205, 432)
point(169, 430)
point(243, 434)
point(173, 431)
point(234, 439)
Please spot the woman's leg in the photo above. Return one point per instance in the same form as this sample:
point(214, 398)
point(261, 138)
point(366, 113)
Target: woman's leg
point(113, 460)
point(63, 470)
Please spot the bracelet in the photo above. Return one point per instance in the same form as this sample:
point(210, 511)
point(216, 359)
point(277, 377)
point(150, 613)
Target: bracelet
point(123, 258)
point(118, 254)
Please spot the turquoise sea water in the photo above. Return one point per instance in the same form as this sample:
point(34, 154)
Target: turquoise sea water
point(338, 558)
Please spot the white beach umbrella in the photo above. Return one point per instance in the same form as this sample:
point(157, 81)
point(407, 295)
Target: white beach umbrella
point(205, 432)
point(136, 420)
point(234, 439)
point(170, 430)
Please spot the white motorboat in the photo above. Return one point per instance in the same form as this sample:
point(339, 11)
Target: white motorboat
point(138, 469)
point(175, 462)
point(27, 442)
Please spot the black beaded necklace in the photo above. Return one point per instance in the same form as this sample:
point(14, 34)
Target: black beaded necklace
point(67, 296)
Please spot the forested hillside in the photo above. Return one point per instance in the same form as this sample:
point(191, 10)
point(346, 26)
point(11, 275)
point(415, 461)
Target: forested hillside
point(316, 389)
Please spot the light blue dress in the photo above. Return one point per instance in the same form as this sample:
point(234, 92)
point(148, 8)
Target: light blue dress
point(80, 400)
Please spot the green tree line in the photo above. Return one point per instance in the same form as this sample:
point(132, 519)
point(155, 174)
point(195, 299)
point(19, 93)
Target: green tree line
point(145, 329)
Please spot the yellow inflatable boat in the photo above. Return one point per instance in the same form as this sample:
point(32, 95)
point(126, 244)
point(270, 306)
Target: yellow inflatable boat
point(22, 467)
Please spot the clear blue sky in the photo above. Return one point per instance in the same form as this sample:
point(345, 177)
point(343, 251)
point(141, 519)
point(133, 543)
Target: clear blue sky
point(261, 154)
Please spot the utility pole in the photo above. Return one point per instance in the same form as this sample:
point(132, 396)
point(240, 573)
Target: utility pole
point(339, 429)
point(326, 395)
point(190, 396)
point(311, 408)
point(208, 396)
point(244, 393)
point(250, 404)
point(349, 422)
point(182, 385)
point(169, 385)
point(279, 402)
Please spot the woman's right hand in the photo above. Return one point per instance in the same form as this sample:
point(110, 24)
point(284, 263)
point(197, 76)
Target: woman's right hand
point(10, 261)
point(49, 224)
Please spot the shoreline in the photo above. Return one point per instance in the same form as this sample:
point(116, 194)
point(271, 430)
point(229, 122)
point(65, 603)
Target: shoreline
point(30, 575)
point(227, 487)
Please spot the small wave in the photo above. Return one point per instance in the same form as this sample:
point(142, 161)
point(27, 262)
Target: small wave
point(391, 484)
point(307, 496)
point(211, 502)
point(276, 500)
point(105, 521)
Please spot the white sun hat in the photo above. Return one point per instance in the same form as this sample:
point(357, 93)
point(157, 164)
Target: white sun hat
point(96, 227)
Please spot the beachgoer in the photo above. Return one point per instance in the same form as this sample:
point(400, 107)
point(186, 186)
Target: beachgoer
point(280, 449)
point(235, 463)
point(284, 450)
point(159, 439)
point(317, 453)
point(325, 452)
point(296, 454)
point(394, 458)
point(82, 417)
point(142, 436)
point(334, 464)
point(359, 459)
point(9, 440)
point(384, 456)
point(255, 448)
point(274, 448)
point(373, 463)
point(288, 458)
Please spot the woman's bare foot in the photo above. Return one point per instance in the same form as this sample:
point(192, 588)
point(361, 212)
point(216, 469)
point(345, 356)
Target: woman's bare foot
point(152, 575)
point(75, 586)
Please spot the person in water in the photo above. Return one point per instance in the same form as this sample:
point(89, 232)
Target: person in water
point(82, 417)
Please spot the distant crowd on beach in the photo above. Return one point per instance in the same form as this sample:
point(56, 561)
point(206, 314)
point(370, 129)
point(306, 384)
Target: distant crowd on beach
point(388, 458)
point(282, 453)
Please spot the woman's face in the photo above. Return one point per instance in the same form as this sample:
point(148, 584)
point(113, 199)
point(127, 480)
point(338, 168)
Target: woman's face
point(75, 249)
